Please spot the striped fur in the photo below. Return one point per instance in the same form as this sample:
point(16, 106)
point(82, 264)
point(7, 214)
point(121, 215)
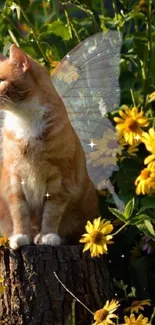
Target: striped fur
point(45, 191)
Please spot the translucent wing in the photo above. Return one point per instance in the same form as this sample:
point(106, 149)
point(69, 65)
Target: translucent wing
point(87, 79)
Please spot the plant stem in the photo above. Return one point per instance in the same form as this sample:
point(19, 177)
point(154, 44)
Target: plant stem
point(133, 98)
point(102, 7)
point(13, 25)
point(73, 312)
point(34, 34)
point(114, 4)
point(84, 8)
point(149, 51)
point(70, 24)
point(118, 202)
point(120, 229)
point(152, 316)
point(115, 9)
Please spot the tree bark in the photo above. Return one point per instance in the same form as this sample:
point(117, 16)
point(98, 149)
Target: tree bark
point(33, 295)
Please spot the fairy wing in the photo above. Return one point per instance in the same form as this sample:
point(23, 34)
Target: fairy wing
point(87, 79)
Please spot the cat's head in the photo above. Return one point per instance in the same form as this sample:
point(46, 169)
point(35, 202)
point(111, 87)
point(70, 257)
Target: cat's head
point(18, 82)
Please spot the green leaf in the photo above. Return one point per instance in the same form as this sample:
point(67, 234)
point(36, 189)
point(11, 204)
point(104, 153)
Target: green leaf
point(129, 168)
point(56, 43)
point(118, 214)
point(132, 293)
point(147, 228)
point(129, 208)
point(137, 15)
point(120, 284)
point(58, 28)
point(147, 203)
point(138, 219)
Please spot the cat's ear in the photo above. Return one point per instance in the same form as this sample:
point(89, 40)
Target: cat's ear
point(18, 57)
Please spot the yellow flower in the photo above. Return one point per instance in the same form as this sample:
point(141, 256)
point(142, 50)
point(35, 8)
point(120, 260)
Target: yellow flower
point(53, 65)
point(151, 97)
point(97, 236)
point(142, 6)
point(46, 4)
point(131, 320)
point(132, 150)
point(130, 123)
point(151, 165)
point(67, 72)
point(4, 241)
point(24, 28)
point(150, 161)
point(138, 305)
point(149, 140)
point(145, 182)
point(103, 316)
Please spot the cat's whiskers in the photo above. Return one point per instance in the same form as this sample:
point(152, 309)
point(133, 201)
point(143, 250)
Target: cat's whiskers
point(25, 91)
point(6, 101)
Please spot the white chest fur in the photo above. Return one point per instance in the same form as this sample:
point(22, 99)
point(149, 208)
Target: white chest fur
point(25, 121)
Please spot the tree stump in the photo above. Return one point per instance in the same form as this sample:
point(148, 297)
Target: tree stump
point(33, 294)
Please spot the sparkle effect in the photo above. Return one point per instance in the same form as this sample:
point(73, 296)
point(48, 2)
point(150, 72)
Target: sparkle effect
point(22, 182)
point(91, 144)
point(47, 195)
point(130, 124)
point(137, 137)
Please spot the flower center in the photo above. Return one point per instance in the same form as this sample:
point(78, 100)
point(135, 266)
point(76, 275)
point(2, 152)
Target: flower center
point(145, 173)
point(96, 237)
point(131, 125)
point(101, 315)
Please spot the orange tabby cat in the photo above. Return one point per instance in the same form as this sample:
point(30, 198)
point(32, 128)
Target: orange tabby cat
point(46, 193)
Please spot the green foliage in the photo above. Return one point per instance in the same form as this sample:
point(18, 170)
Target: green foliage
point(48, 30)
point(129, 209)
point(142, 221)
point(120, 215)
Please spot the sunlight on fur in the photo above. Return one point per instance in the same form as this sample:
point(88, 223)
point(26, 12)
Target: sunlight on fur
point(41, 154)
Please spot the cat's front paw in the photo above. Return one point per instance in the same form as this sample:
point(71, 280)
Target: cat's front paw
point(19, 240)
point(36, 239)
point(50, 239)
